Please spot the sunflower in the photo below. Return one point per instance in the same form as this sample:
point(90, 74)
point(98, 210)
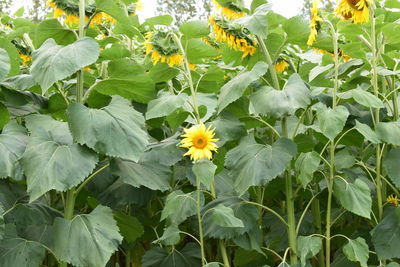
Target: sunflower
point(162, 49)
point(25, 58)
point(315, 20)
point(235, 40)
point(229, 10)
point(355, 10)
point(102, 17)
point(200, 141)
point(392, 199)
point(341, 54)
point(281, 65)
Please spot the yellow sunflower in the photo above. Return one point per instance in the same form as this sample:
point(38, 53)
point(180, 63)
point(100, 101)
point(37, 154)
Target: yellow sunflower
point(392, 199)
point(228, 11)
point(315, 20)
point(233, 41)
point(200, 141)
point(341, 54)
point(25, 58)
point(281, 65)
point(356, 10)
point(172, 59)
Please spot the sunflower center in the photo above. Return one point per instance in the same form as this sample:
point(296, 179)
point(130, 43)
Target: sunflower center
point(200, 142)
point(353, 3)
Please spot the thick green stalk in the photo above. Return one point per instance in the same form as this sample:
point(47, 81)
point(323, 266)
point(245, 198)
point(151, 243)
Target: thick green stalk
point(224, 255)
point(316, 212)
point(71, 196)
point(198, 209)
point(292, 235)
point(332, 150)
point(374, 82)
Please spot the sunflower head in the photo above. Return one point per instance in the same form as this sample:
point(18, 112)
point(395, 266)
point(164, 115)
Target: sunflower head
point(315, 23)
point(355, 10)
point(229, 9)
point(162, 48)
point(25, 58)
point(200, 141)
point(392, 199)
point(236, 37)
point(281, 65)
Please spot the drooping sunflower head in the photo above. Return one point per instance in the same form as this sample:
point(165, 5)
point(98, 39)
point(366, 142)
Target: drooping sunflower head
point(281, 65)
point(392, 199)
point(355, 10)
point(25, 58)
point(229, 9)
point(315, 23)
point(200, 141)
point(237, 37)
point(162, 48)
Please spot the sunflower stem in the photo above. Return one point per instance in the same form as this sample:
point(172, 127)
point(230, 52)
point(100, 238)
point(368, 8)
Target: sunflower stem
point(198, 209)
point(374, 82)
point(189, 77)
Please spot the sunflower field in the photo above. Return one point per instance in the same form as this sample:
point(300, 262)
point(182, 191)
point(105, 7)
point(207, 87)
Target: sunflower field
point(245, 140)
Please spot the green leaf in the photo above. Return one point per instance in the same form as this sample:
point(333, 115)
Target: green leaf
point(2, 224)
point(148, 174)
point(52, 62)
point(159, 20)
point(224, 216)
point(179, 206)
point(4, 63)
point(228, 127)
point(4, 115)
point(355, 197)
point(331, 121)
point(51, 159)
point(277, 103)
point(171, 236)
point(389, 132)
point(166, 152)
point(318, 70)
point(308, 246)
point(392, 166)
point(19, 252)
point(367, 132)
point(257, 23)
point(139, 88)
point(13, 141)
point(235, 88)
point(366, 99)
point(386, 236)
point(88, 239)
point(306, 164)
point(392, 4)
point(19, 12)
point(164, 105)
point(197, 50)
point(246, 213)
point(297, 29)
point(188, 256)
point(256, 164)
point(344, 159)
point(161, 72)
point(113, 9)
point(19, 82)
point(204, 171)
point(116, 130)
point(195, 29)
point(116, 51)
point(51, 28)
point(129, 226)
point(357, 250)
point(14, 60)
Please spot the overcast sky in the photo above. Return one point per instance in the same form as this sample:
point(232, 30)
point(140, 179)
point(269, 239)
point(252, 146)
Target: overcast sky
point(287, 8)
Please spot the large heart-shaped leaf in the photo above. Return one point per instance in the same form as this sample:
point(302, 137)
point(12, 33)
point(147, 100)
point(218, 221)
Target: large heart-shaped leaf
point(277, 103)
point(87, 240)
point(116, 130)
point(188, 256)
point(19, 252)
point(51, 159)
point(148, 174)
point(389, 132)
point(308, 246)
point(4, 63)
point(392, 166)
point(235, 88)
point(257, 23)
point(165, 105)
point(256, 164)
point(331, 121)
point(355, 197)
point(52, 62)
point(179, 206)
point(357, 250)
point(306, 165)
point(13, 141)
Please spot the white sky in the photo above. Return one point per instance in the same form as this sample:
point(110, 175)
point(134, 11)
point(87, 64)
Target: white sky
point(287, 8)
